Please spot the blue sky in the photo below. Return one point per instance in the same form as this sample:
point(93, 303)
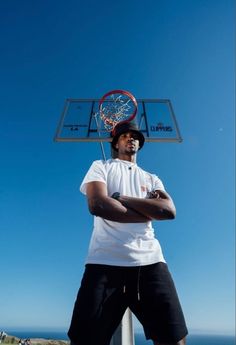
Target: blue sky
point(52, 50)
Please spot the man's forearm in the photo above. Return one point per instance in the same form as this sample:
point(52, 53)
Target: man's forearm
point(154, 208)
point(111, 209)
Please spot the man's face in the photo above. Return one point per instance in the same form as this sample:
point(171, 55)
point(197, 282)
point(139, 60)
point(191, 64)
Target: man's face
point(128, 143)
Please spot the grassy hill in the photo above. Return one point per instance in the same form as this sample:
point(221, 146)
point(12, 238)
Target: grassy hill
point(34, 341)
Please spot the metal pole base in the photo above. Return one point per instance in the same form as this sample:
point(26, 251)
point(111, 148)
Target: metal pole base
point(124, 335)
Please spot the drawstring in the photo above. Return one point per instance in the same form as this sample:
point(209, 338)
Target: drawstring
point(138, 281)
point(138, 293)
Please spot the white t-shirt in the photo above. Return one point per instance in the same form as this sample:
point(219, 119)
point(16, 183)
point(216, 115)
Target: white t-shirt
point(123, 244)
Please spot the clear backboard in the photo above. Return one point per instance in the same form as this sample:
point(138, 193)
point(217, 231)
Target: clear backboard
point(80, 121)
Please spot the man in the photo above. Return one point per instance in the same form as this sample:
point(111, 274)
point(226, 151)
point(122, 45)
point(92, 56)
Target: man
point(125, 266)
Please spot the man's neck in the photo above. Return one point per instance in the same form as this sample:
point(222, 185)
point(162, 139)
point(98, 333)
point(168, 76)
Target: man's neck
point(129, 158)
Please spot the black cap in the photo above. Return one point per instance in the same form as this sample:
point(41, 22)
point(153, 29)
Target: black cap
point(125, 127)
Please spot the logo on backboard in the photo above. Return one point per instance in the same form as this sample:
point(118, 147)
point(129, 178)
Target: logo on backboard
point(160, 128)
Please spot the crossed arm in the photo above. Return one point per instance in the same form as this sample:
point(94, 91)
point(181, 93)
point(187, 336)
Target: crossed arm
point(159, 205)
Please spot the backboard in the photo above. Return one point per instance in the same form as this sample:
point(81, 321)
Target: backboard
point(80, 121)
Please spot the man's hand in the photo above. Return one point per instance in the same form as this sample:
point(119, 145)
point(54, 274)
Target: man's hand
point(153, 195)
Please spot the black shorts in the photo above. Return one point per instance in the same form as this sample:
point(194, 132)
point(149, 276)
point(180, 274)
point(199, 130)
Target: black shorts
point(107, 291)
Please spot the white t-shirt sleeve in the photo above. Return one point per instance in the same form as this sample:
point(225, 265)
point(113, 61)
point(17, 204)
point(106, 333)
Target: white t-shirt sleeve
point(157, 183)
point(96, 172)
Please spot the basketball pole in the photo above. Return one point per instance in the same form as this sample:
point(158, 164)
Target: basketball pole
point(124, 334)
point(99, 135)
point(103, 152)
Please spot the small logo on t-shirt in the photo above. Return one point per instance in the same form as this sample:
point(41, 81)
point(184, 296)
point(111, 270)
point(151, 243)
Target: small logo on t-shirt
point(143, 188)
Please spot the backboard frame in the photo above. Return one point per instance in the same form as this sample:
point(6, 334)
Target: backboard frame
point(144, 125)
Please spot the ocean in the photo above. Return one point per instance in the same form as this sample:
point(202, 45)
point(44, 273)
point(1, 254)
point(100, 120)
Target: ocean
point(139, 338)
point(194, 340)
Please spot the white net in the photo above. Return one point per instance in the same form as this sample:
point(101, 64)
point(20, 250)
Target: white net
point(114, 109)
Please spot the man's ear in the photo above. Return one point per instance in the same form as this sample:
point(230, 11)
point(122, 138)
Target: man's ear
point(117, 146)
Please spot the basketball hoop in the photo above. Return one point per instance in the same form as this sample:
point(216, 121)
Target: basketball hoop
point(117, 106)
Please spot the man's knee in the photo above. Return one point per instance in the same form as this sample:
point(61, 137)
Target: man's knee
point(181, 342)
